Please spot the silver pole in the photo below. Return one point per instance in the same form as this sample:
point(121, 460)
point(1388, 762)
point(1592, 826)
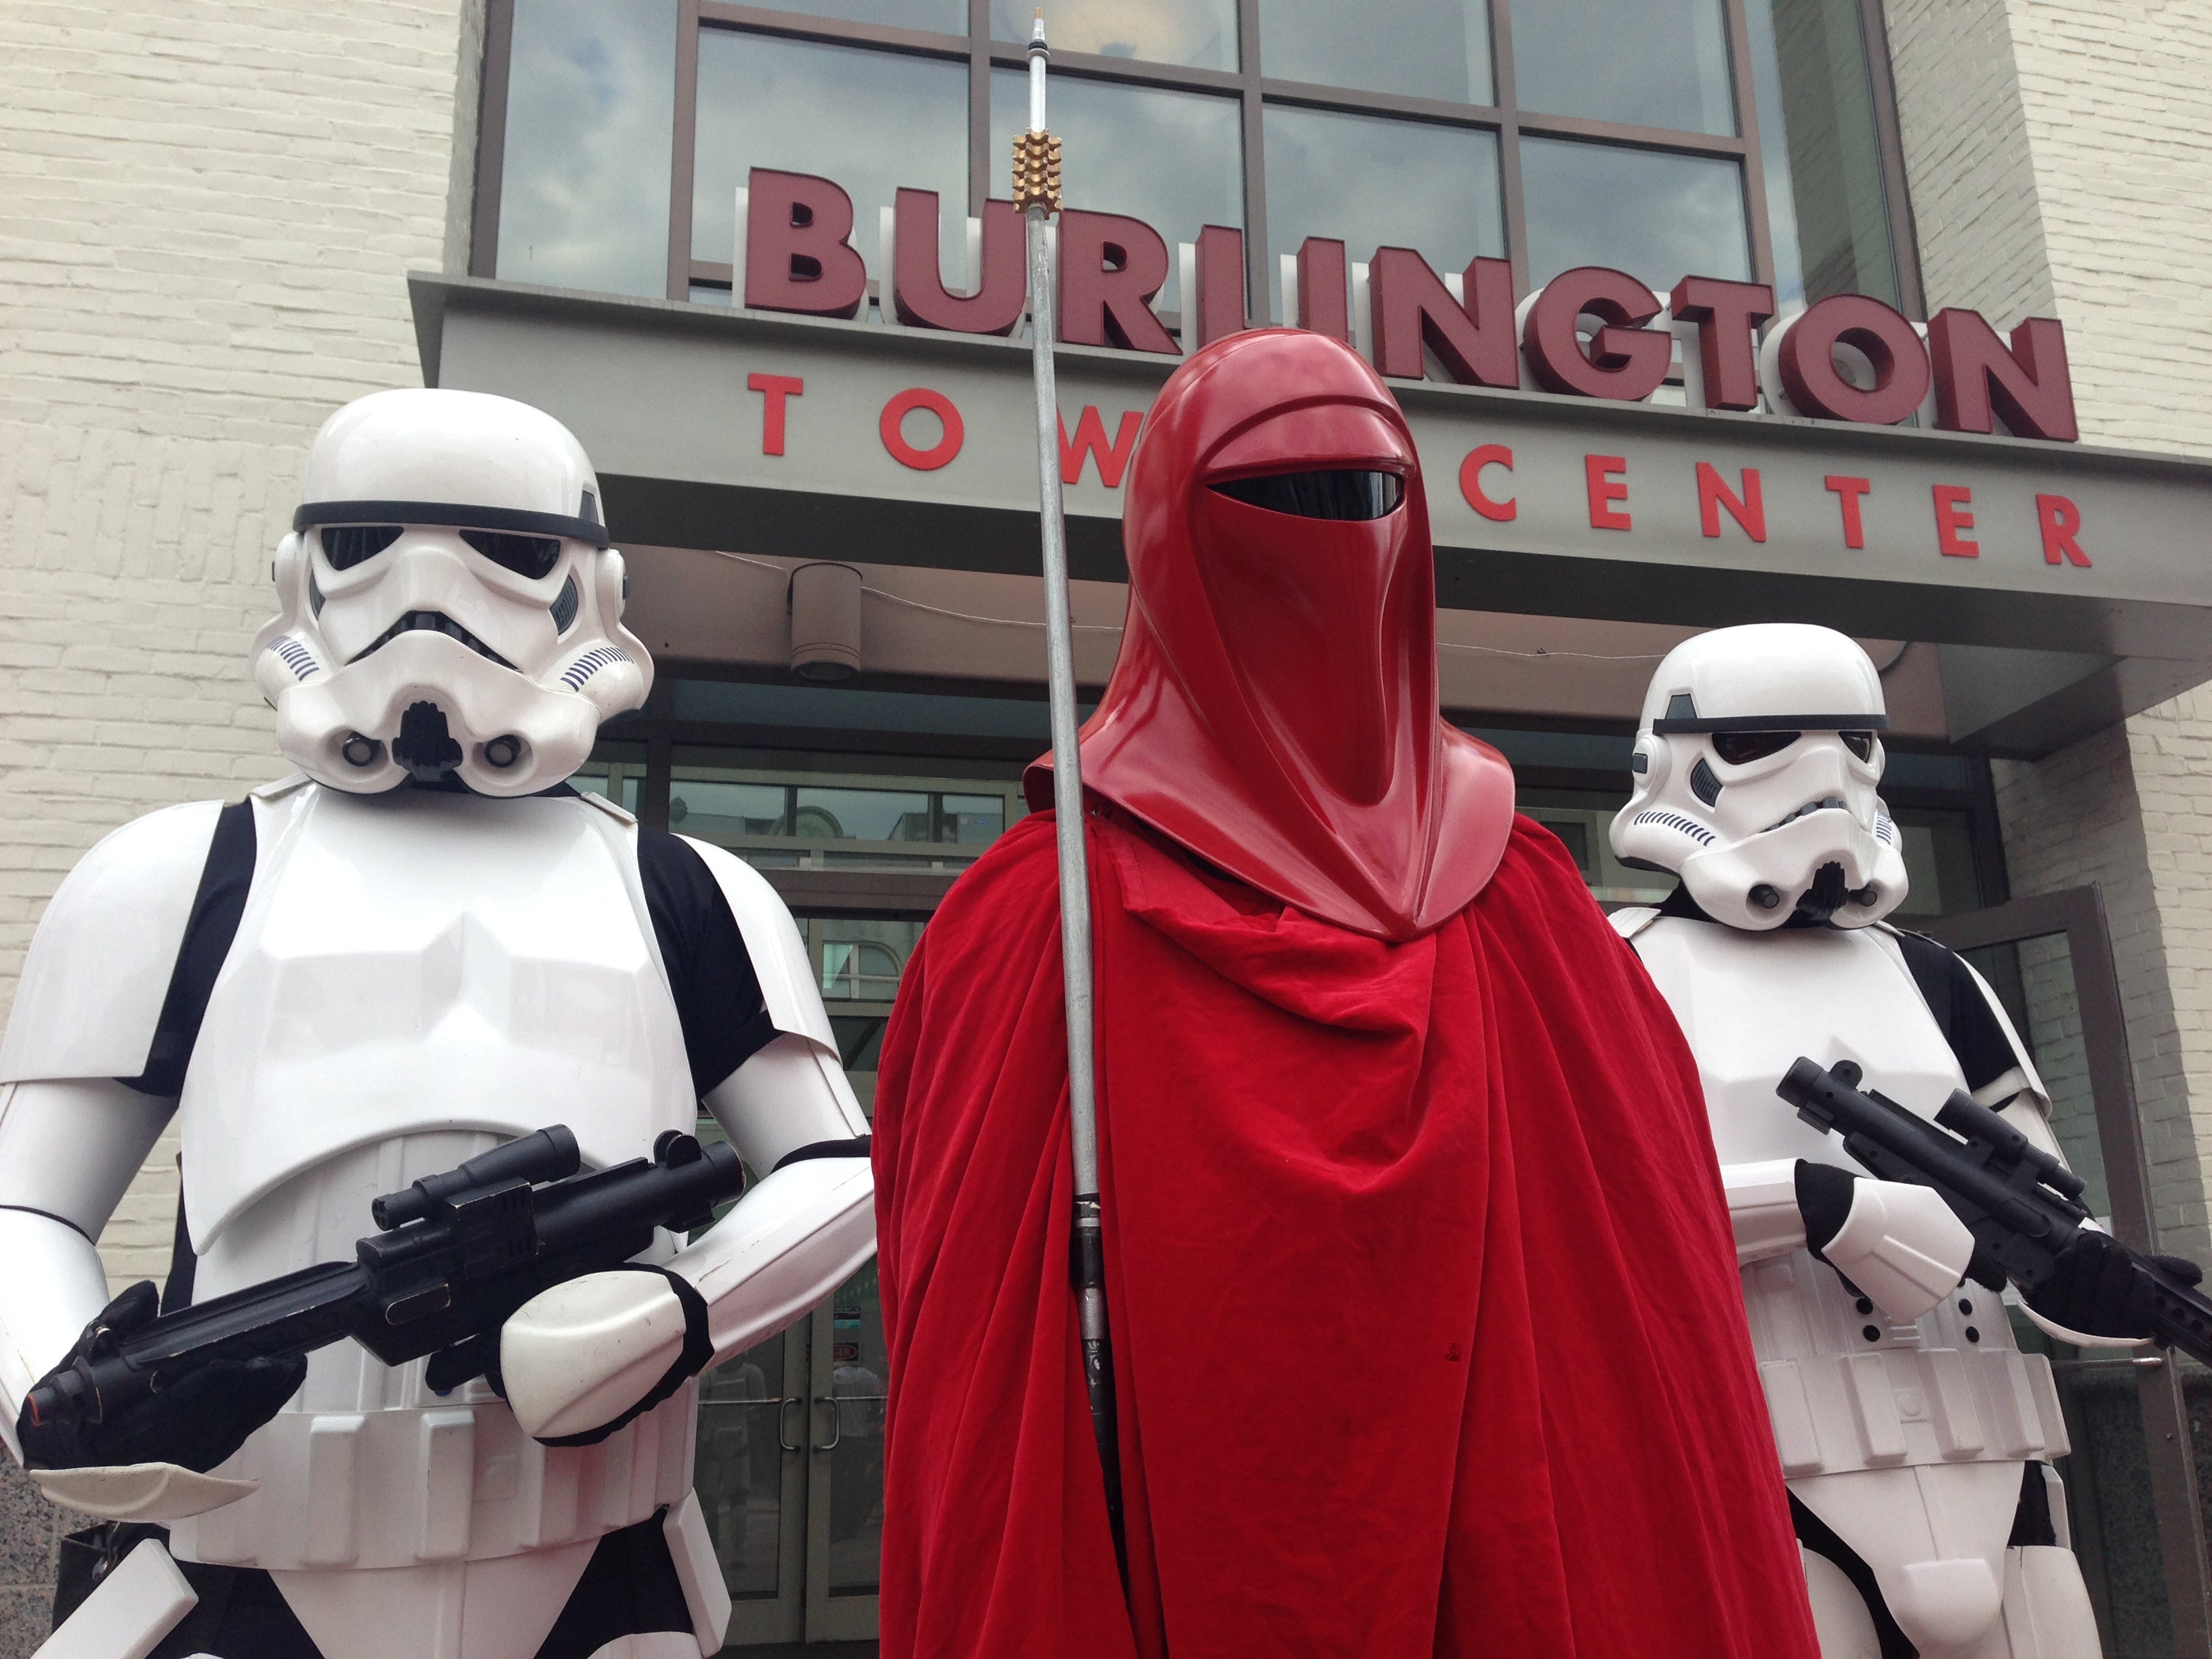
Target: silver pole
point(1037, 189)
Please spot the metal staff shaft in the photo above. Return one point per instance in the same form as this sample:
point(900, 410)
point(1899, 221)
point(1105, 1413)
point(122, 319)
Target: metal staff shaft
point(1036, 188)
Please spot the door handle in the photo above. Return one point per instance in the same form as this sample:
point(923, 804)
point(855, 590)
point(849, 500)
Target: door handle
point(782, 1406)
point(836, 1418)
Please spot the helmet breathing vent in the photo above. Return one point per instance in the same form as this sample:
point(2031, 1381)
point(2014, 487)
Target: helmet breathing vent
point(296, 657)
point(590, 663)
point(1681, 707)
point(1885, 831)
point(1690, 827)
point(1703, 783)
point(564, 607)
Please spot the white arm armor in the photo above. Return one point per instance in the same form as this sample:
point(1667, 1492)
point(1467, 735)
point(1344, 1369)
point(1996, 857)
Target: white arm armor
point(1900, 1244)
point(67, 1150)
point(92, 985)
point(805, 1229)
point(574, 1357)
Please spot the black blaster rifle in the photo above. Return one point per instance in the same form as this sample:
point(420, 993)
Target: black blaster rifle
point(458, 1253)
point(2023, 1206)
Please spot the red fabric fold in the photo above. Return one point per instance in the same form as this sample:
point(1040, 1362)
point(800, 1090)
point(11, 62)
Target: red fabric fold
point(1425, 1309)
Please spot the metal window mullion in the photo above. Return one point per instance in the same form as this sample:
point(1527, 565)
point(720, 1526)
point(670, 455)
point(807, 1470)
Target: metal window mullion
point(1259, 308)
point(1354, 101)
point(492, 138)
point(758, 20)
point(1746, 123)
point(1509, 143)
point(980, 171)
point(683, 149)
point(1904, 233)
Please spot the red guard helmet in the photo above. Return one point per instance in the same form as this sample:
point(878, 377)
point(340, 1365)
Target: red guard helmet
point(1273, 708)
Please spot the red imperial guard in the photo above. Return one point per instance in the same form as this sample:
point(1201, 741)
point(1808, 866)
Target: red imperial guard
point(1428, 1336)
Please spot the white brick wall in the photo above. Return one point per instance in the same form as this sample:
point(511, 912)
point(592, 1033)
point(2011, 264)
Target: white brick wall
point(2060, 164)
point(207, 210)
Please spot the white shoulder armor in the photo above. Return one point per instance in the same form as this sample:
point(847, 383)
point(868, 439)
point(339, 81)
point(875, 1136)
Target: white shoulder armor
point(99, 965)
point(779, 955)
point(1632, 920)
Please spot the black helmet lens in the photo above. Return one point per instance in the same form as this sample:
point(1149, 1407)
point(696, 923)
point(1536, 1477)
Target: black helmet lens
point(1337, 493)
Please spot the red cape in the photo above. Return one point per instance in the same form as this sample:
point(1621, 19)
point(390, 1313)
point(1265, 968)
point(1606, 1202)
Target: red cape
point(1426, 1318)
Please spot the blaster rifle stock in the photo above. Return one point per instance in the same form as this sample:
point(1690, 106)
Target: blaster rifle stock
point(457, 1254)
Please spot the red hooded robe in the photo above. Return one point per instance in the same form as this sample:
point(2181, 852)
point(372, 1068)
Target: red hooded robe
point(1427, 1330)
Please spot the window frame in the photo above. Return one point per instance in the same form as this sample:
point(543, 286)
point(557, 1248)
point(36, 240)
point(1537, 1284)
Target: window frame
point(1254, 90)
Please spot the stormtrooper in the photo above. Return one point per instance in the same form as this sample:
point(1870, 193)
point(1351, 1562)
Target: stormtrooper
point(423, 944)
point(1914, 1438)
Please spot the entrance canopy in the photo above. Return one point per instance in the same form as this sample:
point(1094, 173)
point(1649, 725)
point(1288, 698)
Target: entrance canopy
point(2066, 585)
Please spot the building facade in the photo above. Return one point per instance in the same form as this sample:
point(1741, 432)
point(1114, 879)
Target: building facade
point(228, 220)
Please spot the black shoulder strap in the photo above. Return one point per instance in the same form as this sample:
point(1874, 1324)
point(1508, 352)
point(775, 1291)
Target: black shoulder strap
point(1961, 1011)
point(217, 905)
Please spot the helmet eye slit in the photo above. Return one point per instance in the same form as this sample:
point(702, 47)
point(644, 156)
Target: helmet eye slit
point(1859, 743)
point(1741, 747)
point(346, 545)
point(534, 556)
point(1341, 493)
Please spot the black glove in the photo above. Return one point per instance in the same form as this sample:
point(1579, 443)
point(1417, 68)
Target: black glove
point(196, 1421)
point(2096, 1291)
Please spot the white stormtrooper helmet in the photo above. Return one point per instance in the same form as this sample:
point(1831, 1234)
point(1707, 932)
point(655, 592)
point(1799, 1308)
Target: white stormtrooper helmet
point(1756, 766)
point(450, 604)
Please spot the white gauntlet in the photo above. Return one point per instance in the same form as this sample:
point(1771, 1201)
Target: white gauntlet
point(1897, 1242)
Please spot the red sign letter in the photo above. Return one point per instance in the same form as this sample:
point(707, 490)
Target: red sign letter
point(893, 417)
point(1806, 358)
point(1219, 302)
point(1324, 293)
point(1598, 472)
point(1110, 269)
point(918, 292)
point(1726, 313)
point(1473, 341)
point(1625, 361)
point(1750, 512)
point(1950, 520)
point(1470, 482)
point(1848, 491)
point(1091, 441)
point(1975, 374)
point(797, 258)
point(2060, 521)
point(774, 389)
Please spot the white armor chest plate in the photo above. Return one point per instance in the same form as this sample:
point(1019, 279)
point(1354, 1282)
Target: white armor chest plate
point(417, 962)
point(1847, 1388)
point(414, 978)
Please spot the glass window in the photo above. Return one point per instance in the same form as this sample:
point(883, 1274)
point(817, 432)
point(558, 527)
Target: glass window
point(1643, 63)
point(713, 811)
point(1416, 48)
point(584, 175)
point(1175, 160)
point(863, 814)
point(870, 120)
point(1344, 176)
point(862, 960)
point(1826, 206)
point(1195, 33)
point(1657, 216)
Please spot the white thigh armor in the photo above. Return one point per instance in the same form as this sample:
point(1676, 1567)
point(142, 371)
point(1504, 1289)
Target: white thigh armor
point(1892, 1434)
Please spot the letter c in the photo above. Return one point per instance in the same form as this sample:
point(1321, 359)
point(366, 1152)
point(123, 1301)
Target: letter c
point(1470, 482)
